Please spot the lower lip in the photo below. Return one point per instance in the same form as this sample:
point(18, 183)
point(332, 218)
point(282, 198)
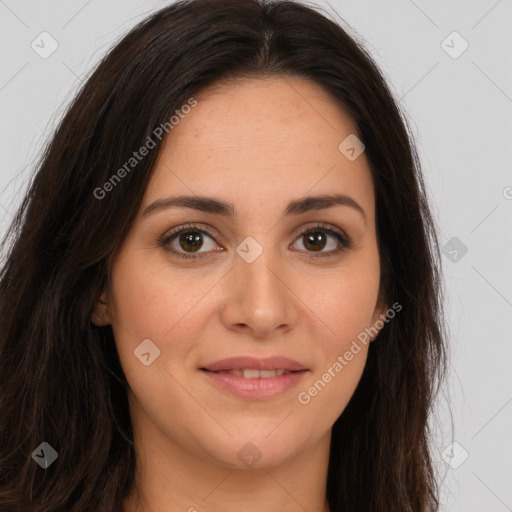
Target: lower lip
point(256, 388)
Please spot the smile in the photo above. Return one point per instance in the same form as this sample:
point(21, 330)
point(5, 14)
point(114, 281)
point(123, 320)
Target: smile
point(252, 373)
point(255, 384)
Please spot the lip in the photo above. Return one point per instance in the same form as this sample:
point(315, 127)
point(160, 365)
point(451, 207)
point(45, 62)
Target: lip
point(268, 363)
point(258, 388)
point(255, 388)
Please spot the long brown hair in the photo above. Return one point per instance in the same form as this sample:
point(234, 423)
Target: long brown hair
point(60, 377)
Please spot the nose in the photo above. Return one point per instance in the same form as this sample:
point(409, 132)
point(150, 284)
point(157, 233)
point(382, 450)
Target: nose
point(259, 297)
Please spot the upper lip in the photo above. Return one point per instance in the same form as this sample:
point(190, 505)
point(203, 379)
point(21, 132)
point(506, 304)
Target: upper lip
point(246, 362)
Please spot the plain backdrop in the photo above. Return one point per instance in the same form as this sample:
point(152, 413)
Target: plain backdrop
point(450, 67)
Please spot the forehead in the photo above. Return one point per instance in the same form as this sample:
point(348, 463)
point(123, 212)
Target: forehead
point(261, 140)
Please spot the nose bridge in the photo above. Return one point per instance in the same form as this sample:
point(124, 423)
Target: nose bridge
point(257, 274)
point(258, 297)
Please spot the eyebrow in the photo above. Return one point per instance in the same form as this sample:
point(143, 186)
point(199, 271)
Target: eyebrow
point(217, 207)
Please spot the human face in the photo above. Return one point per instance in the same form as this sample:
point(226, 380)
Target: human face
point(257, 145)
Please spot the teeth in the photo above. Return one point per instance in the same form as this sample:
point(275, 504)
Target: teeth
point(265, 374)
point(250, 373)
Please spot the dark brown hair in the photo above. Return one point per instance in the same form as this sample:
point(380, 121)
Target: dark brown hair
point(60, 377)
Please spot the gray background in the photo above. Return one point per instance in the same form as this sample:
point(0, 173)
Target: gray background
point(461, 113)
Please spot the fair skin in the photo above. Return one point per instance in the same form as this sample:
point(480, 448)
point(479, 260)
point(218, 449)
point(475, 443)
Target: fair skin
point(257, 145)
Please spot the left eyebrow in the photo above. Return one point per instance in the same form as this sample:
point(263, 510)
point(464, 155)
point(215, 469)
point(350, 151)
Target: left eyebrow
point(322, 202)
point(218, 207)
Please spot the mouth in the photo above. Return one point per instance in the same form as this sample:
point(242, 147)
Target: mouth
point(254, 384)
point(254, 373)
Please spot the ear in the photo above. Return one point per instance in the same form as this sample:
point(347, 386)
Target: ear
point(379, 316)
point(101, 315)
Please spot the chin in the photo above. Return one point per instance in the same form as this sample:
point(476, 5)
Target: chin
point(257, 450)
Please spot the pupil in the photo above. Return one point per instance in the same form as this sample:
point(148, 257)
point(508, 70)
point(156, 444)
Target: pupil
point(312, 240)
point(192, 239)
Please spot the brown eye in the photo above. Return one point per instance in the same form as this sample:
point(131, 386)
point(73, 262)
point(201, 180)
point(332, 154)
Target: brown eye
point(314, 241)
point(190, 241)
point(323, 240)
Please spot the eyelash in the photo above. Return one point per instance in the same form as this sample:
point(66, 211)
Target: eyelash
point(343, 240)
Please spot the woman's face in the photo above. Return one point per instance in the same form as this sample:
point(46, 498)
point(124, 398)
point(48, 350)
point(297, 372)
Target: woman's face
point(252, 288)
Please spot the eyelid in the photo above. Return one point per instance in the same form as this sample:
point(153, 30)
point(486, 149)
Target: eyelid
point(329, 228)
point(190, 226)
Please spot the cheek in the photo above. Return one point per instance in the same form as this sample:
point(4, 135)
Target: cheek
point(343, 352)
point(346, 305)
point(150, 302)
point(347, 300)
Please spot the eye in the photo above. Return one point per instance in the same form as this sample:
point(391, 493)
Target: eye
point(317, 238)
point(189, 239)
point(191, 242)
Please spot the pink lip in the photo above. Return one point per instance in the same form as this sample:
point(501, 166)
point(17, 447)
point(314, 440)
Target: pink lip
point(256, 388)
point(269, 363)
point(260, 387)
